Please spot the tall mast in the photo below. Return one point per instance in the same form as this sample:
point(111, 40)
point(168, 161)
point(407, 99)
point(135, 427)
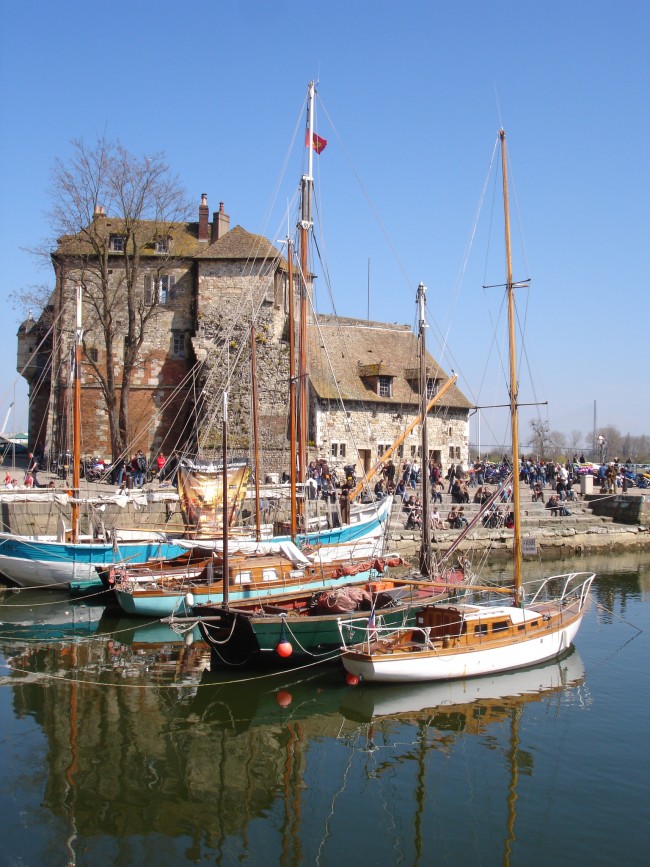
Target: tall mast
point(225, 570)
point(292, 394)
point(425, 547)
point(304, 226)
point(76, 419)
point(256, 449)
point(514, 389)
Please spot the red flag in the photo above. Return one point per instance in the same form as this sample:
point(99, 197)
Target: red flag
point(319, 144)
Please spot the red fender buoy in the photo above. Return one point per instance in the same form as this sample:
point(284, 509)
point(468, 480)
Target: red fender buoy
point(284, 649)
point(351, 679)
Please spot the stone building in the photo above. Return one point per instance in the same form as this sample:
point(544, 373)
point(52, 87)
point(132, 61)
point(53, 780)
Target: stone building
point(202, 285)
point(364, 392)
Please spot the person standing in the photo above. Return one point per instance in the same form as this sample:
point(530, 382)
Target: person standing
point(33, 467)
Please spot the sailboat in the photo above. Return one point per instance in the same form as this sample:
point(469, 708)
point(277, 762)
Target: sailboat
point(465, 640)
point(55, 561)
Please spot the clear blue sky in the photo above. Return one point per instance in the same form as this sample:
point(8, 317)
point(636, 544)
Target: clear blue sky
point(411, 96)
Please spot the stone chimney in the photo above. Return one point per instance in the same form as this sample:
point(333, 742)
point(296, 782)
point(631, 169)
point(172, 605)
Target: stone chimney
point(204, 213)
point(220, 224)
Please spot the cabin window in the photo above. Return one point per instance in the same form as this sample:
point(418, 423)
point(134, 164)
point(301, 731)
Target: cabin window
point(385, 386)
point(480, 629)
point(243, 578)
point(178, 344)
point(269, 575)
point(116, 243)
point(162, 245)
point(500, 626)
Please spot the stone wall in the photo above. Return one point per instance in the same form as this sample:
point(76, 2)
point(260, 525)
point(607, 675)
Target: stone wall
point(370, 430)
point(159, 386)
point(228, 302)
point(622, 508)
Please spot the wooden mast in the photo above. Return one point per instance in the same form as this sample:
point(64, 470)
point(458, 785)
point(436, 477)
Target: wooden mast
point(292, 395)
point(76, 420)
point(425, 547)
point(304, 226)
point(514, 389)
point(256, 449)
point(225, 571)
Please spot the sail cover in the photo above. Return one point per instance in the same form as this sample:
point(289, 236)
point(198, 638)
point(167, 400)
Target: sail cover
point(200, 490)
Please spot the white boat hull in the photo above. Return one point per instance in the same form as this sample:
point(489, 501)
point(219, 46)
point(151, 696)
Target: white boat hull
point(414, 667)
point(45, 573)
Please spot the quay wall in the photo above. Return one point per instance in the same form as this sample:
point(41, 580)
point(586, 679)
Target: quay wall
point(621, 508)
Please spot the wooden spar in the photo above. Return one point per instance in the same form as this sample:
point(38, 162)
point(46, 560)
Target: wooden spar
point(400, 439)
point(425, 547)
point(304, 226)
point(514, 423)
point(292, 395)
point(225, 583)
point(76, 423)
point(434, 583)
point(256, 451)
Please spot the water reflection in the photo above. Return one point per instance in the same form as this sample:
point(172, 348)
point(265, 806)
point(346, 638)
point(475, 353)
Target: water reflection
point(142, 741)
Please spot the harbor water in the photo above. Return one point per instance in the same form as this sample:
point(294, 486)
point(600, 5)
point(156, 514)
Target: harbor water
point(120, 746)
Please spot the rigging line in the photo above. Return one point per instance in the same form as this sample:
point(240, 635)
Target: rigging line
point(328, 821)
point(285, 163)
point(340, 399)
point(443, 339)
point(366, 195)
point(41, 675)
point(21, 374)
point(352, 357)
point(618, 617)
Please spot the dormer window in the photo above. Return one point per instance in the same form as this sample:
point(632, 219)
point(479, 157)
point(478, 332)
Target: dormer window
point(385, 386)
point(162, 245)
point(433, 387)
point(117, 243)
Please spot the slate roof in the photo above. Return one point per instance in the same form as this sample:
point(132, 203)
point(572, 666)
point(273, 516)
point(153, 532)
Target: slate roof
point(359, 351)
point(184, 237)
point(240, 244)
point(237, 244)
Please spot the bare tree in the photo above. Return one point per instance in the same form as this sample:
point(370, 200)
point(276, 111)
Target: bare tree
point(108, 208)
point(574, 440)
point(541, 437)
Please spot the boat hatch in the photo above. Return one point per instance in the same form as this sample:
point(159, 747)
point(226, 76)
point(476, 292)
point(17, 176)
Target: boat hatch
point(441, 622)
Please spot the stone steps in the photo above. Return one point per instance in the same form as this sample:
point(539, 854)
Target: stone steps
point(534, 517)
